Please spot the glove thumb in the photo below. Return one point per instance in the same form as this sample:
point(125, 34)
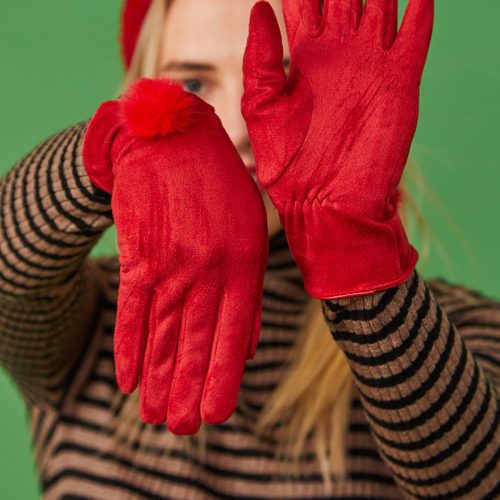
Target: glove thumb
point(264, 77)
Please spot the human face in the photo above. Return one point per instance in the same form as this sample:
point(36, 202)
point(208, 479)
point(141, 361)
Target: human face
point(202, 47)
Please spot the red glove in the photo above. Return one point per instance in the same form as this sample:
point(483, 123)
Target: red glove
point(332, 140)
point(192, 233)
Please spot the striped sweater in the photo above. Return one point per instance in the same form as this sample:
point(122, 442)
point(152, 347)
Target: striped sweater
point(425, 357)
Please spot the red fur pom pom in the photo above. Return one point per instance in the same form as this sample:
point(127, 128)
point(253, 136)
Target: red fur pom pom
point(156, 108)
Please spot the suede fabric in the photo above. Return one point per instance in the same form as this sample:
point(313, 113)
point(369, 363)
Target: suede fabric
point(331, 140)
point(192, 234)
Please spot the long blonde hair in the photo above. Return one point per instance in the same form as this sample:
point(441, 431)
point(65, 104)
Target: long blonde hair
point(315, 393)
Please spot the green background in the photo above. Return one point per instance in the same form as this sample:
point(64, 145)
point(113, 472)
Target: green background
point(60, 60)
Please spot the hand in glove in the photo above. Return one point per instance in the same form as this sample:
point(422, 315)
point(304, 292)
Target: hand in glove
point(192, 235)
point(331, 140)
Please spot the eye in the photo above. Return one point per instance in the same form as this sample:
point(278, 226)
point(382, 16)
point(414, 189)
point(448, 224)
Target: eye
point(192, 85)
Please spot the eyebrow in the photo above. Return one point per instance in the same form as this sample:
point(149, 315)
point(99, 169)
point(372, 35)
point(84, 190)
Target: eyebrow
point(198, 66)
point(187, 66)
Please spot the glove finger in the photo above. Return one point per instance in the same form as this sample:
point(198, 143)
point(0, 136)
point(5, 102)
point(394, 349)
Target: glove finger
point(230, 347)
point(193, 357)
point(414, 36)
point(254, 339)
point(165, 326)
point(264, 79)
point(390, 23)
point(381, 17)
point(311, 14)
point(356, 12)
point(259, 294)
point(131, 331)
point(341, 16)
point(293, 18)
point(263, 74)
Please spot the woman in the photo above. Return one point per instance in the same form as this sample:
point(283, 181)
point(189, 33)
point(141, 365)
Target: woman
point(421, 419)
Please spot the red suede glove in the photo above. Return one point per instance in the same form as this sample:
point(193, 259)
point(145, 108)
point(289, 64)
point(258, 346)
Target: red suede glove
point(192, 234)
point(332, 140)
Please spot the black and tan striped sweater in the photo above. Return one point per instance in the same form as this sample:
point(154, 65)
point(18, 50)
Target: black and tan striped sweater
point(425, 358)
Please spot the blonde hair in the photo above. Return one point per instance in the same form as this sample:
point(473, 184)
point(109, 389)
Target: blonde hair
point(315, 393)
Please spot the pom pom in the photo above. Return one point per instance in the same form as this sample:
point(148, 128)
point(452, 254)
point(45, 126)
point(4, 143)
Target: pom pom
point(156, 108)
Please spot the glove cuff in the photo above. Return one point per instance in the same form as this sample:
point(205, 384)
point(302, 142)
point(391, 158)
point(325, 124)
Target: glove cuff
point(342, 254)
point(99, 137)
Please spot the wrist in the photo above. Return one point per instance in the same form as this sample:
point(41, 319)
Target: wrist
point(342, 254)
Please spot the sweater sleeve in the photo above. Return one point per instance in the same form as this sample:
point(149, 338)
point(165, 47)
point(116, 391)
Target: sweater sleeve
point(51, 217)
point(428, 383)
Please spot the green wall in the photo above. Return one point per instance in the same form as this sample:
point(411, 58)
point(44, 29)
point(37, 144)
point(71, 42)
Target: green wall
point(60, 60)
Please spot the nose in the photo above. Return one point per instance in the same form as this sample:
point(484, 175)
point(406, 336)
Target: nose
point(237, 130)
point(234, 123)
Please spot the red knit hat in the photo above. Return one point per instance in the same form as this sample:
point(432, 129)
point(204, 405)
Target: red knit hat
point(132, 16)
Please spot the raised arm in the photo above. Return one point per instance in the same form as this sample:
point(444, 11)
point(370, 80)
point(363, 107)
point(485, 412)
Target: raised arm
point(51, 217)
point(331, 141)
point(429, 390)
